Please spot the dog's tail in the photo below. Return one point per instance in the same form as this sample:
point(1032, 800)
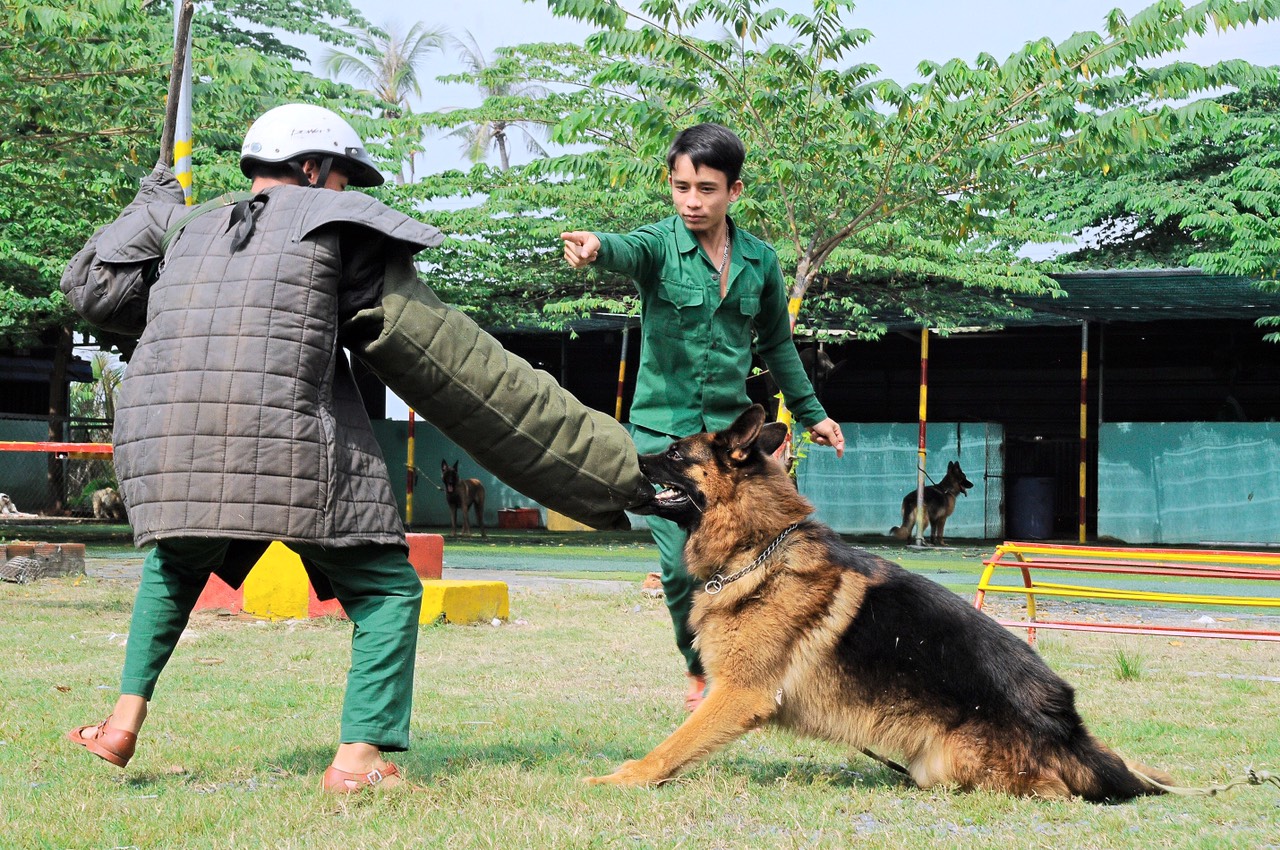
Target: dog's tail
point(902, 532)
point(1099, 775)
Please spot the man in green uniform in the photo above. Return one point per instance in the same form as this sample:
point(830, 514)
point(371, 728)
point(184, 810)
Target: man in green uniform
point(705, 286)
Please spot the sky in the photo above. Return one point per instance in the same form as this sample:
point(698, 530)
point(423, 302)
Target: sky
point(905, 32)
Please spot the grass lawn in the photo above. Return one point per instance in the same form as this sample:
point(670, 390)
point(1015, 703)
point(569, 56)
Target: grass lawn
point(508, 719)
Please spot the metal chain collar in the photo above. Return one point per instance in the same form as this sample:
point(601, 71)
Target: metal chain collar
point(718, 581)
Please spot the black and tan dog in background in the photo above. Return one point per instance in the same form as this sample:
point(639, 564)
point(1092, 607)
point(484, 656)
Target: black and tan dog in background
point(462, 494)
point(798, 629)
point(939, 504)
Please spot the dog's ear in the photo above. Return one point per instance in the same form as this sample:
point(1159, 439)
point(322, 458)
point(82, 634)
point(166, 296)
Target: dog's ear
point(444, 465)
point(771, 436)
point(739, 437)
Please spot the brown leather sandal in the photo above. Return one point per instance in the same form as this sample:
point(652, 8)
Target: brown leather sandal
point(111, 744)
point(335, 781)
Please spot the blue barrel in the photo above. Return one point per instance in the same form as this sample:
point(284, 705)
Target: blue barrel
point(1029, 511)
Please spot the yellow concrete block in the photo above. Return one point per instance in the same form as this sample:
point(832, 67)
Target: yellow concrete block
point(560, 522)
point(277, 587)
point(463, 601)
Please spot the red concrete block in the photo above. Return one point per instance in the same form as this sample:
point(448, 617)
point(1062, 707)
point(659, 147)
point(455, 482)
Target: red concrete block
point(519, 518)
point(327, 608)
point(426, 553)
point(218, 594)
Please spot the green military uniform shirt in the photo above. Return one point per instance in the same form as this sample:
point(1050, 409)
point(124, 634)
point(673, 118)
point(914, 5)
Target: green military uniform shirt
point(695, 349)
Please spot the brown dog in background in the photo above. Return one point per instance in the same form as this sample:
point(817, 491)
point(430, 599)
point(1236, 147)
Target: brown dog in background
point(462, 494)
point(107, 504)
point(798, 629)
point(939, 504)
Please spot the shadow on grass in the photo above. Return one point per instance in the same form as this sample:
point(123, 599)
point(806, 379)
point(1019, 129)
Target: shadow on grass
point(441, 758)
point(863, 775)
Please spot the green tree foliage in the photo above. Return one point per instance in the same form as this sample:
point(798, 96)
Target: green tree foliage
point(878, 195)
point(85, 83)
point(1209, 198)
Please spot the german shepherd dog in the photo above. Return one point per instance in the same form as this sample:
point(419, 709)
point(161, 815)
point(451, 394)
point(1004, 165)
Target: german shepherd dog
point(939, 503)
point(798, 629)
point(462, 494)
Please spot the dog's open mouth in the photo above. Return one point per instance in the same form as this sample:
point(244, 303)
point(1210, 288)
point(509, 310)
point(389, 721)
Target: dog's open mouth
point(669, 494)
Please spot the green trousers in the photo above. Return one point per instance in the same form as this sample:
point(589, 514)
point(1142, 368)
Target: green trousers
point(677, 584)
point(375, 584)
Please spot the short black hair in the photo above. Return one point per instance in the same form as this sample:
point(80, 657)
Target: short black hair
point(288, 170)
point(291, 169)
point(712, 145)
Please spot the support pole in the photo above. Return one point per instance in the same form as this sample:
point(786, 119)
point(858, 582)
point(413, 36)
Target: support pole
point(410, 476)
point(924, 420)
point(183, 14)
point(786, 451)
point(1084, 425)
point(183, 10)
point(622, 372)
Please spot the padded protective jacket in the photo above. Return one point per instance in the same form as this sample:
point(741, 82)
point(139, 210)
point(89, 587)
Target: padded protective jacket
point(238, 417)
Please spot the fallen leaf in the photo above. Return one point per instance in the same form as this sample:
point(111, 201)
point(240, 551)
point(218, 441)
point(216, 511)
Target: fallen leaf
point(209, 660)
point(63, 688)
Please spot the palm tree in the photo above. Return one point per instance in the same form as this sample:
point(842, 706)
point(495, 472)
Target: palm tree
point(386, 63)
point(480, 136)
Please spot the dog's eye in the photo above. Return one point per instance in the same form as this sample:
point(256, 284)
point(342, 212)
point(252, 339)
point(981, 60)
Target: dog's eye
point(673, 453)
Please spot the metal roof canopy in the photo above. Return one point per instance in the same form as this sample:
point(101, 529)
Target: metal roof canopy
point(1121, 295)
point(1150, 295)
point(1114, 295)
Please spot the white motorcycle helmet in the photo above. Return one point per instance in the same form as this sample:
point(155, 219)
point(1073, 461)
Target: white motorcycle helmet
point(296, 130)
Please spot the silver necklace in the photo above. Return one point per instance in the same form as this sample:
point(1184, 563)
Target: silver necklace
point(718, 581)
point(724, 261)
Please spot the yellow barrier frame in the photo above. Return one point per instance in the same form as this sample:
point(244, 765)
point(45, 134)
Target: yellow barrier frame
point(1188, 563)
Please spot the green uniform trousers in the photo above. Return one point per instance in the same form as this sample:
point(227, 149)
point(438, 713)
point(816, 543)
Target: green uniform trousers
point(375, 584)
point(677, 584)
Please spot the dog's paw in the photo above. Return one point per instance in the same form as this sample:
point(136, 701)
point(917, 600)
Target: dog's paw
point(627, 775)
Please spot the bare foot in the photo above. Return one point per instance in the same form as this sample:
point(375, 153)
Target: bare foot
point(697, 690)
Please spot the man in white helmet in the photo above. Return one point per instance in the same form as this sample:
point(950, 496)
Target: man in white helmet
point(238, 421)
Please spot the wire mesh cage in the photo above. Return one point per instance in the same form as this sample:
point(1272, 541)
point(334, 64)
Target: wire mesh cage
point(40, 478)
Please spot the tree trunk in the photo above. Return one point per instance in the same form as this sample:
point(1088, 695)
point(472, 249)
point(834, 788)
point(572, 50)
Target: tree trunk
point(501, 138)
point(58, 419)
point(799, 286)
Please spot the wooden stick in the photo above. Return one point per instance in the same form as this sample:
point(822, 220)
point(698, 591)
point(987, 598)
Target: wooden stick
point(175, 82)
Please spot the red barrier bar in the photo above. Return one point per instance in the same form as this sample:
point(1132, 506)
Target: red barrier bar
point(60, 448)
